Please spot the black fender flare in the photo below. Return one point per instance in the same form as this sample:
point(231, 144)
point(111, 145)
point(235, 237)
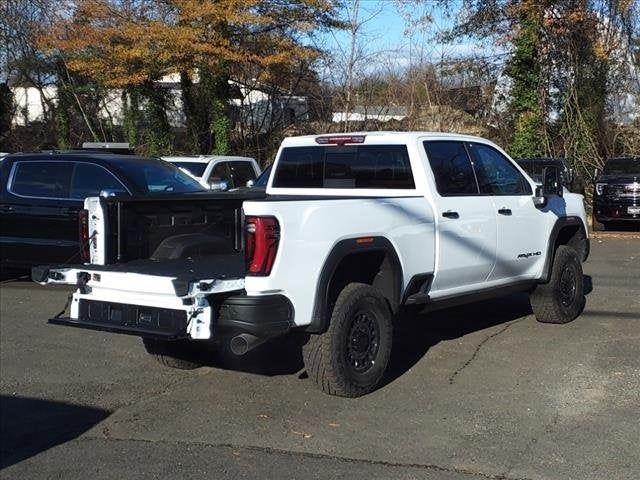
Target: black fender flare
point(561, 223)
point(320, 315)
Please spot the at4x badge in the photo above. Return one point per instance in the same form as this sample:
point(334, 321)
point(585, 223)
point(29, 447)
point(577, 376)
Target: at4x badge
point(529, 254)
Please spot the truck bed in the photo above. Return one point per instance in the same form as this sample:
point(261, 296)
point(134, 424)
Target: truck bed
point(136, 227)
point(193, 268)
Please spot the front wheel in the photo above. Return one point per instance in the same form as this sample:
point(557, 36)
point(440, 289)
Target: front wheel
point(561, 299)
point(351, 357)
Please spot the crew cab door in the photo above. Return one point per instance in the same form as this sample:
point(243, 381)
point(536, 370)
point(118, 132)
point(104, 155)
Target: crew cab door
point(521, 226)
point(39, 225)
point(40, 213)
point(467, 235)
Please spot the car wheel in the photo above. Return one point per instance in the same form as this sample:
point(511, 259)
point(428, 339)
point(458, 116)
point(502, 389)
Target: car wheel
point(179, 354)
point(560, 300)
point(351, 357)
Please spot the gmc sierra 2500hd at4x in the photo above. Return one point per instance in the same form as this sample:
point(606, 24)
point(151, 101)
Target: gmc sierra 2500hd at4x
point(351, 229)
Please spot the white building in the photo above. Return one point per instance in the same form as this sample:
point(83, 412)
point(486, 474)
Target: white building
point(254, 106)
point(379, 113)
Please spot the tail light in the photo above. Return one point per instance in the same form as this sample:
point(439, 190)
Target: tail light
point(83, 234)
point(262, 235)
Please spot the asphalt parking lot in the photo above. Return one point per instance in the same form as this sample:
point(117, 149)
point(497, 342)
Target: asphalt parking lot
point(478, 392)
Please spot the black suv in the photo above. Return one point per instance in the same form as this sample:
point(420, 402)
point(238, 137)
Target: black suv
point(616, 196)
point(42, 195)
point(534, 166)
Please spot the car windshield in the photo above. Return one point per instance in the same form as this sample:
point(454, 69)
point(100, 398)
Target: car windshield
point(263, 178)
point(618, 166)
point(158, 176)
point(195, 168)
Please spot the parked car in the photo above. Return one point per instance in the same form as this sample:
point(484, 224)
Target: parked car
point(351, 230)
point(42, 195)
point(616, 195)
point(218, 172)
point(535, 166)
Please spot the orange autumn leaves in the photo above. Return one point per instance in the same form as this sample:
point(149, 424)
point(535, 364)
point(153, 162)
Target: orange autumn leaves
point(124, 43)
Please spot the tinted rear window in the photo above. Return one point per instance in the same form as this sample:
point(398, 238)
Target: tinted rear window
point(362, 166)
point(42, 179)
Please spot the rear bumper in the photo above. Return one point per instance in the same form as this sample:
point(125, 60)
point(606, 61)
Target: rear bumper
point(263, 316)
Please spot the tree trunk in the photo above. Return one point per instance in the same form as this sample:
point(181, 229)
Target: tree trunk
point(158, 137)
point(216, 90)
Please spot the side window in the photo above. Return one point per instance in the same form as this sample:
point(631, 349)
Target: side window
point(42, 179)
point(496, 174)
point(89, 180)
point(241, 173)
point(220, 173)
point(451, 167)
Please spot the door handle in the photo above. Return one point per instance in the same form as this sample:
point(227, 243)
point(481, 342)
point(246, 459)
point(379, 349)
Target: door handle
point(450, 214)
point(504, 211)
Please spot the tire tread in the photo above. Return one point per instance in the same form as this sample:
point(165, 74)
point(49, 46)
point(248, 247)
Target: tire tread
point(543, 299)
point(322, 368)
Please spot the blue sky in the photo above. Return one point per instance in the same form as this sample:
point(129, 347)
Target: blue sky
point(401, 35)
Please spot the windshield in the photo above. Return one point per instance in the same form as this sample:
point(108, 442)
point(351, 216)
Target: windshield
point(617, 166)
point(196, 168)
point(158, 176)
point(263, 178)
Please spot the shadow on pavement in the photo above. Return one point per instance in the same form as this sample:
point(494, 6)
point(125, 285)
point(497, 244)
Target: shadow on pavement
point(29, 426)
point(280, 356)
point(414, 335)
point(419, 332)
point(11, 275)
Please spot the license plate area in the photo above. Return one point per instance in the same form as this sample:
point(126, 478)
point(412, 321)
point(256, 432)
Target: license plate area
point(133, 317)
point(633, 210)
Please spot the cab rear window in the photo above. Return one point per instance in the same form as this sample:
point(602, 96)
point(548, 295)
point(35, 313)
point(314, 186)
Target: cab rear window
point(361, 166)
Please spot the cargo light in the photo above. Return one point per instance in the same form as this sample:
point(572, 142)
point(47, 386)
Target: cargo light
point(340, 139)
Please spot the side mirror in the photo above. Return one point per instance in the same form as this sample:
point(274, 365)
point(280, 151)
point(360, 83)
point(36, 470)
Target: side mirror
point(551, 186)
point(551, 182)
point(219, 186)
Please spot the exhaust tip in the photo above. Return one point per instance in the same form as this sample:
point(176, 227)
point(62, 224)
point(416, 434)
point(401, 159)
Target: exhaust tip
point(239, 345)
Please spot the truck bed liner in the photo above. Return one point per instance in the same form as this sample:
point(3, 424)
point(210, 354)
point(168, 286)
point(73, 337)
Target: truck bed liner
point(208, 266)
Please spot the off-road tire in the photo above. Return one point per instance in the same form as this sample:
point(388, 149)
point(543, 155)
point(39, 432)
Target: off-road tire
point(360, 330)
point(179, 354)
point(560, 300)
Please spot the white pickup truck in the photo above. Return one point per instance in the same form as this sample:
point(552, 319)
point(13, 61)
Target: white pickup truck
point(352, 229)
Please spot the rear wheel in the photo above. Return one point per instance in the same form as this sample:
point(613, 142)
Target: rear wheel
point(351, 357)
point(561, 299)
point(179, 354)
